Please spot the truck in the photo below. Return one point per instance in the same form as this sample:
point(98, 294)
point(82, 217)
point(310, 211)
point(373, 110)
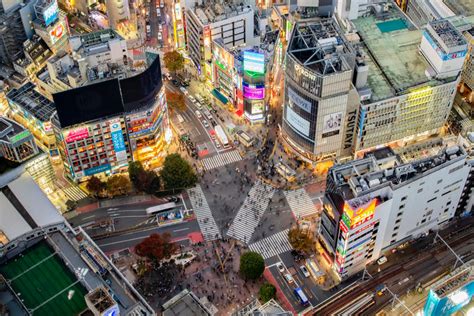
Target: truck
point(222, 136)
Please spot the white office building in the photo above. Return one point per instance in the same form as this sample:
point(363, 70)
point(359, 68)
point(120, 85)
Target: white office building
point(379, 202)
point(233, 23)
point(410, 78)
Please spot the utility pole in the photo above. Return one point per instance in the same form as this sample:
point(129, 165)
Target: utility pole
point(458, 259)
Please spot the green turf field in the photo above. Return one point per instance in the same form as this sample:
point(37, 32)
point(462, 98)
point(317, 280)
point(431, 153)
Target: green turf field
point(43, 281)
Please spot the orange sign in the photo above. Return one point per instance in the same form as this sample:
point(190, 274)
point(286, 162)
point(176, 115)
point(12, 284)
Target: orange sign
point(362, 213)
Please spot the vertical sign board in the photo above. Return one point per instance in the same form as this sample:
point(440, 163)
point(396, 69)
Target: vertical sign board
point(117, 139)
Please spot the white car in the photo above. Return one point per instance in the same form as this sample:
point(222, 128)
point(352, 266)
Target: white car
point(304, 271)
point(168, 76)
point(198, 104)
point(158, 12)
point(198, 114)
point(160, 37)
point(289, 278)
point(382, 260)
point(280, 267)
point(217, 144)
point(193, 100)
point(183, 90)
point(204, 122)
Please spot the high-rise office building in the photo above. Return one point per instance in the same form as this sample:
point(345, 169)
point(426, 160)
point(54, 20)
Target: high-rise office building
point(379, 202)
point(320, 104)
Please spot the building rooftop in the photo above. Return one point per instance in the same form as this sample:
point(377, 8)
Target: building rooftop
point(11, 131)
point(390, 46)
point(94, 42)
point(212, 12)
point(320, 46)
point(460, 7)
point(24, 208)
point(449, 35)
point(359, 177)
point(185, 303)
point(32, 101)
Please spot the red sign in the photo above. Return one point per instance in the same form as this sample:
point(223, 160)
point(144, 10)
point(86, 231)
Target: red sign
point(343, 227)
point(362, 221)
point(77, 134)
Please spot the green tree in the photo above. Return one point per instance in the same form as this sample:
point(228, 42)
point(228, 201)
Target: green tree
point(251, 265)
point(175, 100)
point(174, 61)
point(300, 240)
point(267, 292)
point(177, 173)
point(143, 180)
point(156, 247)
point(95, 186)
point(118, 185)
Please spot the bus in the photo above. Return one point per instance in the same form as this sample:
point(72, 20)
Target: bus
point(222, 136)
point(245, 138)
point(301, 296)
point(160, 208)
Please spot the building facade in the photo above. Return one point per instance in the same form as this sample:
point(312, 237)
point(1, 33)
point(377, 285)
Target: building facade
point(318, 103)
point(379, 202)
point(16, 143)
point(34, 111)
point(234, 23)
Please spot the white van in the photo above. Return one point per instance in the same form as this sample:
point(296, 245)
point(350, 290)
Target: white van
point(198, 114)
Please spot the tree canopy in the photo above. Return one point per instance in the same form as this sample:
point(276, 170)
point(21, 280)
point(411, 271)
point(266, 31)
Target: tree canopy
point(156, 247)
point(95, 186)
point(267, 292)
point(177, 173)
point(300, 240)
point(175, 100)
point(174, 61)
point(118, 185)
point(251, 265)
point(143, 180)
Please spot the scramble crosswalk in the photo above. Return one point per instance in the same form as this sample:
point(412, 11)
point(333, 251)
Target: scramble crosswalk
point(300, 203)
point(221, 160)
point(272, 245)
point(250, 213)
point(74, 193)
point(206, 221)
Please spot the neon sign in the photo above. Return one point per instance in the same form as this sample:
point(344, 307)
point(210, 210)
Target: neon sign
point(353, 218)
point(77, 134)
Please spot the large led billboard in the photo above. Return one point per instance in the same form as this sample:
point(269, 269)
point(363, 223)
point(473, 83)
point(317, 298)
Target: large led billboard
point(254, 92)
point(50, 14)
point(254, 62)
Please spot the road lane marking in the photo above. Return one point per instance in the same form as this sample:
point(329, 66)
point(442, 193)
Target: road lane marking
point(121, 241)
point(88, 217)
point(180, 230)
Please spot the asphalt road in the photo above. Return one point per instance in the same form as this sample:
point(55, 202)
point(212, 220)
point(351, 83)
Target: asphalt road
point(177, 231)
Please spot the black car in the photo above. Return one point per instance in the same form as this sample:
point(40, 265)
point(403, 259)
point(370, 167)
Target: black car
point(175, 82)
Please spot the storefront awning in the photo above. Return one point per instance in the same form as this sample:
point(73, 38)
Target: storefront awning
point(219, 96)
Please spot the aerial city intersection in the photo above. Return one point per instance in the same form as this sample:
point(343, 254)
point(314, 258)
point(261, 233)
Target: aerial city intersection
point(165, 157)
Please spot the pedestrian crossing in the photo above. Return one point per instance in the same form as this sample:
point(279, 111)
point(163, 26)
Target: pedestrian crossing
point(221, 160)
point(250, 213)
point(206, 222)
point(300, 203)
point(74, 193)
point(272, 245)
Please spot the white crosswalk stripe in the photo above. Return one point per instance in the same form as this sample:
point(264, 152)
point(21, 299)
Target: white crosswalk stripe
point(221, 160)
point(207, 224)
point(74, 193)
point(272, 245)
point(250, 213)
point(300, 203)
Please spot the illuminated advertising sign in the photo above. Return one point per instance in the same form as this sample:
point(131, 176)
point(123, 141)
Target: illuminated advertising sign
point(343, 227)
point(20, 136)
point(332, 124)
point(98, 169)
point(177, 11)
point(57, 32)
point(77, 134)
point(47, 127)
point(360, 215)
point(50, 14)
point(450, 303)
point(294, 99)
point(254, 92)
point(254, 62)
point(258, 107)
point(297, 122)
point(117, 140)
